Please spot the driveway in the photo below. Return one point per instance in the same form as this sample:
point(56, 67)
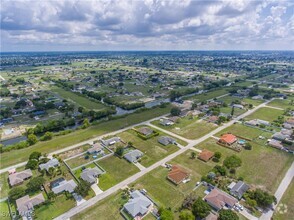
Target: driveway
point(96, 189)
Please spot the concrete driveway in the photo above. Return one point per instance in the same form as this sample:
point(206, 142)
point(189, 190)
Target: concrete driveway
point(96, 189)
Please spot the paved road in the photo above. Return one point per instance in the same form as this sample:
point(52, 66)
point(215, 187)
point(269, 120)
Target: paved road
point(280, 191)
point(90, 141)
point(136, 176)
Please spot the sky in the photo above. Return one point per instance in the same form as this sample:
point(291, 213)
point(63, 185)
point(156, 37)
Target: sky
point(98, 25)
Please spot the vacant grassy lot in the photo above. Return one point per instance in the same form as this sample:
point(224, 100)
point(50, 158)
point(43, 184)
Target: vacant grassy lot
point(189, 128)
point(107, 209)
point(267, 114)
point(288, 200)
point(116, 171)
point(153, 151)
point(228, 110)
point(79, 100)
point(17, 156)
point(262, 166)
point(5, 215)
point(282, 103)
point(60, 205)
point(253, 102)
point(208, 95)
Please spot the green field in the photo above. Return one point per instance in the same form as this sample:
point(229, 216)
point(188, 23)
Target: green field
point(80, 100)
point(107, 209)
point(265, 113)
point(208, 95)
point(153, 151)
point(189, 128)
point(282, 103)
point(262, 166)
point(5, 215)
point(116, 169)
point(285, 209)
point(17, 156)
point(49, 211)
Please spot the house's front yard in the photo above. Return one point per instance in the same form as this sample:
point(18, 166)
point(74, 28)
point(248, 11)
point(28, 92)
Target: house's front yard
point(153, 151)
point(262, 166)
point(116, 171)
point(285, 209)
point(282, 103)
point(189, 128)
point(5, 215)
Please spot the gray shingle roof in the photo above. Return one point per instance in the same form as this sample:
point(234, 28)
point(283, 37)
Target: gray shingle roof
point(90, 174)
point(138, 205)
point(51, 163)
point(110, 141)
point(65, 185)
point(19, 177)
point(239, 189)
point(26, 204)
point(133, 155)
point(166, 140)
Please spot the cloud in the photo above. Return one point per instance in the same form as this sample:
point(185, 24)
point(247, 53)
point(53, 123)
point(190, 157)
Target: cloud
point(149, 24)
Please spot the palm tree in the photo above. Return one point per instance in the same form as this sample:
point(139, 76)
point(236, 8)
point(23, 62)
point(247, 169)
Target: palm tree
point(193, 155)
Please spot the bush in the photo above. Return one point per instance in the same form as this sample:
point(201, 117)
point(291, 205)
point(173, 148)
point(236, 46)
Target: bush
point(200, 208)
point(32, 164)
point(227, 215)
point(175, 111)
point(215, 159)
point(166, 214)
point(35, 155)
point(232, 162)
point(16, 193)
point(248, 146)
point(35, 184)
point(186, 215)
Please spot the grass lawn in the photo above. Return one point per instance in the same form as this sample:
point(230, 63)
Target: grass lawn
point(153, 151)
point(253, 101)
point(262, 166)
point(189, 128)
point(116, 169)
point(228, 110)
point(5, 215)
point(267, 114)
point(288, 200)
point(282, 103)
point(80, 100)
point(17, 156)
point(107, 209)
point(60, 205)
point(208, 95)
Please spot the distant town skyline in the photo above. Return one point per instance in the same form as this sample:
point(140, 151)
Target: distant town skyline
point(103, 25)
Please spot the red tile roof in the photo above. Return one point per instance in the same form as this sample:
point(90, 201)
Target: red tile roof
point(228, 138)
point(219, 199)
point(205, 155)
point(177, 174)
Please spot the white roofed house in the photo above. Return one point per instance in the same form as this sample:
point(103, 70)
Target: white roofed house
point(166, 140)
point(96, 148)
point(61, 185)
point(138, 205)
point(133, 156)
point(51, 163)
point(110, 141)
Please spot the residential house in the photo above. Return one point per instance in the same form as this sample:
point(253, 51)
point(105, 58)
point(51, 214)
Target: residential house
point(219, 199)
point(19, 177)
point(279, 136)
point(133, 156)
point(227, 139)
point(96, 148)
point(174, 119)
point(91, 174)
point(205, 155)
point(110, 141)
point(166, 122)
point(177, 174)
point(145, 131)
point(138, 206)
point(211, 216)
point(51, 163)
point(238, 106)
point(63, 185)
point(257, 122)
point(275, 143)
point(213, 119)
point(289, 124)
point(166, 140)
point(25, 205)
point(238, 189)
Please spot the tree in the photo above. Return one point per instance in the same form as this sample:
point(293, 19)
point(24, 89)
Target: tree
point(16, 192)
point(35, 184)
point(186, 215)
point(119, 151)
point(218, 155)
point(193, 155)
point(47, 136)
point(51, 171)
point(262, 198)
point(227, 215)
point(233, 110)
point(166, 214)
point(200, 208)
point(32, 164)
point(232, 162)
point(32, 139)
point(83, 188)
point(86, 123)
point(175, 111)
point(35, 155)
point(189, 201)
point(248, 146)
